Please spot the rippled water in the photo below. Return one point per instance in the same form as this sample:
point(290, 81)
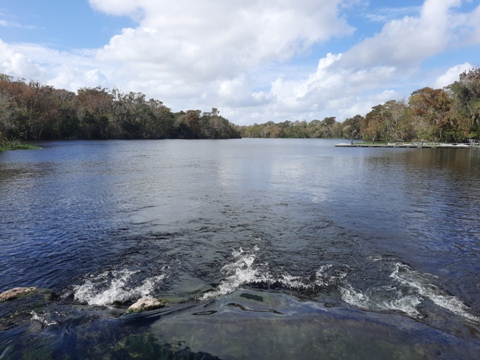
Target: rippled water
point(387, 231)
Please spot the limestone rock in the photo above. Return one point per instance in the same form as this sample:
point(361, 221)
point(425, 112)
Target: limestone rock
point(144, 304)
point(16, 292)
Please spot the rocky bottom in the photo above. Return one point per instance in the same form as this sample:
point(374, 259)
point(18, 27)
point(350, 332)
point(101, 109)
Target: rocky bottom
point(242, 325)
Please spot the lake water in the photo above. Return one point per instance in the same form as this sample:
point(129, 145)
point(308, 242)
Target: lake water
point(265, 248)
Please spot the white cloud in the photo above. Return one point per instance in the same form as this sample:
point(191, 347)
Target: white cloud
point(63, 70)
point(469, 25)
point(242, 56)
point(384, 67)
point(409, 41)
point(211, 40)
point(209, 53)
point(74, 78)
point(451, 75)
point(236, 92)
point(116, 7)
point(15, 63)
point(387, 14)
point(333, 90)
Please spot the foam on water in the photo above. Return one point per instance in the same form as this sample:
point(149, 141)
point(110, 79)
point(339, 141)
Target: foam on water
point(400, 288)
point(243, 270)
point(422, 284)
point(328, 275)
point(381, 299)
point(111, 286)
point(408, 290)
point(403, 290)
point(42, 319)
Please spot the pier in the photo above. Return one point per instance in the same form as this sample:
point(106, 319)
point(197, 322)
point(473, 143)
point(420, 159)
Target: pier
point(413, 145)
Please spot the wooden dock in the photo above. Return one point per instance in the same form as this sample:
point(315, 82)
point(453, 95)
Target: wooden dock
point(411, 145)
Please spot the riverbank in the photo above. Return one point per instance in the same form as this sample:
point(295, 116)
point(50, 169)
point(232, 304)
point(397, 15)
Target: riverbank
point(413, 145)
point(15, 145)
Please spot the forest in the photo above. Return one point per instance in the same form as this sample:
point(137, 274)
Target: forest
point(451, 114)
point(32, 111)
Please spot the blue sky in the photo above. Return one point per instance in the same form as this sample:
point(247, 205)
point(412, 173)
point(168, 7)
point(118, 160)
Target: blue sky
point(254, 60)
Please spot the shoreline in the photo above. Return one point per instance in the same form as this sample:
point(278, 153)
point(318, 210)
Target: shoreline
point(15, 145)
point(412, 145)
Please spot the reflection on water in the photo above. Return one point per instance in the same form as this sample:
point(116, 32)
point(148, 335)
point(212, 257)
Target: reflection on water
point(388, 231)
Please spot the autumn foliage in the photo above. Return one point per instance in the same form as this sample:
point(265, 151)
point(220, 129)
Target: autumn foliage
point(451, 114)
point(31, 111)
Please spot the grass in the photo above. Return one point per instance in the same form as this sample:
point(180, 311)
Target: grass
point(16, 145)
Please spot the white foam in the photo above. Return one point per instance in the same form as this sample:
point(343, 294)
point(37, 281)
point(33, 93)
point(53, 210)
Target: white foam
point(381, 299)
point(327, 275)
point(409, 289)
point(111, 286)
point(237, 253)
point(293, 282)
point(239, 272)
point(406, 304)
point(422, 284)
point(41, 319)
point(354, 297)
point(243, 270)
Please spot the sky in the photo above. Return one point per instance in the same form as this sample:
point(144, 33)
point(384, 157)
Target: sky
point(254, 60)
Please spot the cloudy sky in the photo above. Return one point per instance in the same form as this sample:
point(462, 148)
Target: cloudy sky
point(254, 60)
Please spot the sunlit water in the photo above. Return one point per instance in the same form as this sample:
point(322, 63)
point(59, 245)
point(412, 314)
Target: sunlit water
point(388, 231)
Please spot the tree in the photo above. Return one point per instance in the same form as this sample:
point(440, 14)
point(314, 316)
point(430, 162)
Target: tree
point(214, 126)
point(66, 124)
point(466, 94)
point(7, 126)
point(35, 110)
point(10, 106)
point(160, 124)
point(351, 127)
point(397, 121)
point(373, 127)
point(95, 112)
point(189, 125)
point(434, 106)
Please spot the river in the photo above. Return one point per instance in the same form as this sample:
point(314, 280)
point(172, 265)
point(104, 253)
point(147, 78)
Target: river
point(263, 248)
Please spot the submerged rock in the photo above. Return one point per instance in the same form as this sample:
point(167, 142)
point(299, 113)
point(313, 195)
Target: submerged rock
point(146, 303)
point(16, 292)
point(17, 304)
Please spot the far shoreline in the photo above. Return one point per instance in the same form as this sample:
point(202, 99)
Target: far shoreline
point(411, 145)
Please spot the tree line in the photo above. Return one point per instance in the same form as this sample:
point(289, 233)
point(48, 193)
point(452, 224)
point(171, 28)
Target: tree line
point(451, 114)
point(32, 111)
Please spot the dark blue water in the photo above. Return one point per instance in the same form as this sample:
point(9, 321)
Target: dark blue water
point(388, 232)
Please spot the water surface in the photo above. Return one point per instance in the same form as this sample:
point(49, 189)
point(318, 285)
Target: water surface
point(385, 234)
